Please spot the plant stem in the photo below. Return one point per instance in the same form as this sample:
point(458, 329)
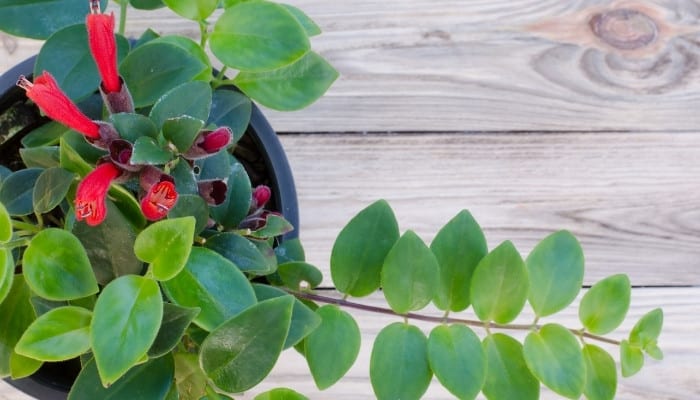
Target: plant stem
point(19, 225)
point(438, 320)
point(123, 6)
point(204, 35)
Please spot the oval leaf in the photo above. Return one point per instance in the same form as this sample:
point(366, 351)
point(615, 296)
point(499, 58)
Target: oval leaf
point(242, 351)
point(18, 314)
point(51, 188)
point(125, 323)
point(28, 18)
point(399, 367)
point(601, 374)
point(16, 192)
point(5, 225)
point(240, 251)
point(631, 358)
point(7, 273)
point(359, 251)
point(409, 274)
point(605, 304)
point(299, 275)
point(231, 108)
point(147, 151)
point(647, 330)
point(237, 202)
point(555, 358)
point(58, 272)
point(166, 245)
point(500, 284)
point(457, 360)
point(60, 334)
point(175, 321)
point(280, 394)
point(507, 374)
point(197, 10)
point(192, 99)
point(304, 320)
point(327, 360)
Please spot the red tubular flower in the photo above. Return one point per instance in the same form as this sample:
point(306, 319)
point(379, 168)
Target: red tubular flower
point(103, 46)
point(90, 203)
point(209, 142)
point(57, 106)
point(261, 195)
point(159, 199)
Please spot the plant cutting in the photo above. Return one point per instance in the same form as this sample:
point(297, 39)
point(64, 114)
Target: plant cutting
point(136, 245)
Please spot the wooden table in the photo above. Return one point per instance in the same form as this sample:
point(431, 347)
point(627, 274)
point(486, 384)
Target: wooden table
point(534, 115)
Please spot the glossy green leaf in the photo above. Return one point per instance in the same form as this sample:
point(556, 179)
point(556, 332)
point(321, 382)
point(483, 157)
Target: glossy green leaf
point(304, 320)
point(555, 268)
point(193, 48)
point(280, 394)
point(5, 225)
point(17, 314)
point(299, 275)
point(290, 250)
point(601, 374)
point(7, 272)
point(133, 126)
point(17, 190)
point(457, 359)
point(175, 321)
point(360, 248)
point(647, 330)
point(110, 246)
point(153, 69)
point(192, 99)
point(125, 323)
point(166, 245)
point(275, 225)
point(190, 379)
point(499, 285)
point(306, 22)
point(185, 180)
point(242, 40)
point(28, 18)
point(146, 151)
point(237, 203)
point(196, 10)
point(51, 188)
point(70, 159)
point(217, 166)
point(58, 272)
point(212, 283)
point(409, 275)
point(67, 57)
point(151, 380)
point(240, 251)
point(458, 247)
point(22, 367)
point(242, 351)
point(399, 367)
point(231, 108)
point(147, 4)
point(45, 135)
point(327, 360)
point(41, 157)
point(507, 374)
point(631, 358)
point(60, 334)
point(182, 131)
point(605, 304)
point(554, 356)
point(191, 205)
point(291, 87)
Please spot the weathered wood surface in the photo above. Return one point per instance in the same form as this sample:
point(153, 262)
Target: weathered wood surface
point(442, 65)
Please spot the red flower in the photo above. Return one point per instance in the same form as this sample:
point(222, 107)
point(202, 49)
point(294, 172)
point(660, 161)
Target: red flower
point(159, 199)
point(209, 142)
point(103, 46)
point(261, 195)
point(90, 203)
point(57, 106)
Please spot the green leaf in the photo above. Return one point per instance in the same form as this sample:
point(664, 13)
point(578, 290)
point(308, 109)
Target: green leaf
point(109, 246)
point(191, 205)
point(189, 377)
point(280, 394)
point(193, 48)
point(151, 380)
point(299, 275)
point(601, 374)
point(133, 126)
point(458, 247)
point(399, 367)
point(125, 323)
point(192, 99)
point(166, 245)
point(22, 367)
point(240, 251)
point(128, 206)
point(182, 131)
point(146, 151)
point(507, 374)
point(555, 268)
point(231, 108)
point(16, 192)
point(237, 203)
point(51, 188)
point(306, 22)
point(60, 334)
point(7, 273)
point(28, 18)
point(241, 41)
point(147, 4)
point(45, 135)
point(457, 360)
point(5, 225)
point(290, 250)
point(329, 361)
point(631, 358)
point(58, 272)
point(212, 283)
point(291, 87)
point(67, 57)
point(605, 304)
point(647, 330)
point(69, 159)
point(41, 157)
point(175, 321)
point(275, 225)
point(153, 69)
point(196, 10)
point(242, 351)
point(304, 320)
point(409, 274)
point(359, 251)
point(555, 358)
point(18, 314)
point(499, 285)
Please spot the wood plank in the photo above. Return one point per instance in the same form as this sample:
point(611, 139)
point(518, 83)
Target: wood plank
point(444, 65)
point(673, 378)
point(632, 199)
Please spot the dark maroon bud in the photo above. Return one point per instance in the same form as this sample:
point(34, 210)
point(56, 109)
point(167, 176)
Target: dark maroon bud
point(213, 191)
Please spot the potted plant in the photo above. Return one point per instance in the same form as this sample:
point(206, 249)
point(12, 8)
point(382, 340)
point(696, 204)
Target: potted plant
point(138, 245)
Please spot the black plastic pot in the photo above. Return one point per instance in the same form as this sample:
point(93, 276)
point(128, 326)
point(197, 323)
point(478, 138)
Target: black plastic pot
point(260, 151)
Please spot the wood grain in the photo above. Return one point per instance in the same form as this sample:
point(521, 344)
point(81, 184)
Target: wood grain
point(441, 65)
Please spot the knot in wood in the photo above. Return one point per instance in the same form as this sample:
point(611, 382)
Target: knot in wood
point(624, 28)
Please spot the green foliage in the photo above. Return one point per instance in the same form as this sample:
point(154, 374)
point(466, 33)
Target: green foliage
point(280, 394)
point(601, 373)
point(60, 334)
point(51, 188)
point(605, 304)
point(457, 359)
point(166, 246)
point(27, 18)
point(197, 10)
point(507, 374)
point(16, 192)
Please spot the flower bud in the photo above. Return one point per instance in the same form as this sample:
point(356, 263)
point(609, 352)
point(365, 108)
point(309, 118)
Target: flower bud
point(209, 142)
point(261, 195)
